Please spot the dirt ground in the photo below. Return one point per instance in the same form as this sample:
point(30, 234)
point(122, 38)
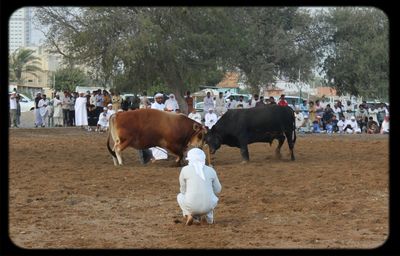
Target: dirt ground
point(65, 192)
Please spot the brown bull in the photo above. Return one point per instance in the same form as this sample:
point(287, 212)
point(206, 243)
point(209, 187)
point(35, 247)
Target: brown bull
point(145, 128)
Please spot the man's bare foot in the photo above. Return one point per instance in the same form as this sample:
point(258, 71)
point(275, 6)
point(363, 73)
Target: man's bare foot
point(189, 220)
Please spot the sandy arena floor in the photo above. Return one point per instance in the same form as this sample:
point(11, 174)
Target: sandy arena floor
point(65, 192)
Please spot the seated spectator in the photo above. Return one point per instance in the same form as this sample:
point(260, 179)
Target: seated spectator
point(351, 126)
point(334, 122)
point(305, 128)
point(210, 118)
point(299, 118)
point(316, 128)
point(341, 124)
point(385, 125)
point(329, 126)
point(194, 115)
point(372, 126)
point(102, 124)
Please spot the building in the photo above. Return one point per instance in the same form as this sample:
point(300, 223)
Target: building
point(229, 84)
point(43, 81)
point(20, 29)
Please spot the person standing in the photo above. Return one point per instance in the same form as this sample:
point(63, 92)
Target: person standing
point(171, 105)
point(199, 185)
point(116, 101)
point(282, 102)
point(231, 104)
point(81, 118)
point(43, 110)
point(99, 101)
point(158, 102)
point(66, 102)
point(13, 109)
point(253, 102)
point(18, 110)
point(144, 101)
point(208, 102)
point(58, 111)
point(157, 152)
point(38, 118)
point(106, 98)
point(189, 101)
point(73, 98)
point(220, 107)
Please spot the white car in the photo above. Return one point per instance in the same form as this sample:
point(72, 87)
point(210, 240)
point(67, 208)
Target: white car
point(26, 103)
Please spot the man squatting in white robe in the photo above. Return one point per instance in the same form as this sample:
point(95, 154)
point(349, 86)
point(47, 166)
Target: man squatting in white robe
point(198, 185)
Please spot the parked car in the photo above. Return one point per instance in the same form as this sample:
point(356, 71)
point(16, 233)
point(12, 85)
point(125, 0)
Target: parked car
point(26, 103)
point(246, 97)
point(199, 106)
point(293, 101)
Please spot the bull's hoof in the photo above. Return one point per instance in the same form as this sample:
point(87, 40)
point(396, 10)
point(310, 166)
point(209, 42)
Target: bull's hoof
point(244, 162)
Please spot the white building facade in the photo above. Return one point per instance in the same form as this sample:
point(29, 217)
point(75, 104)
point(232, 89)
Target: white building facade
point(20, 29)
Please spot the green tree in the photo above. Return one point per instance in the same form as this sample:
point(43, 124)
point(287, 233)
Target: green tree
point(23, 61)
point(272, 42)
point(356, 51)
point(68, 79)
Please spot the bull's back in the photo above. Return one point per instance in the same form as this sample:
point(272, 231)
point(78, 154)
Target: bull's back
point(267, 118)
point(146, 128)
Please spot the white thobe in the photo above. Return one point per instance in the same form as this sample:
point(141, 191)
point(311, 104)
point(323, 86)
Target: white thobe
point(198, 196)
point(42, 107)
point(103, 120)
point(299, 119)
point(208, 103)
point(158, 153)
point(81, 111)
point(210, 120)
point(171, 105)
point(196, 117)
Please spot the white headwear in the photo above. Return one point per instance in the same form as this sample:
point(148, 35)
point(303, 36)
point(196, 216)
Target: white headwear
point(197, 159)
point(158, 95)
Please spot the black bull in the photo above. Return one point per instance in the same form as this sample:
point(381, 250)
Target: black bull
point(240, 127)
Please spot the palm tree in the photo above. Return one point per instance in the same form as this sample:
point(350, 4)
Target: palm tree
point(23, 60)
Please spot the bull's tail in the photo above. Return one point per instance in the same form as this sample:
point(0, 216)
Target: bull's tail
point(112, 152)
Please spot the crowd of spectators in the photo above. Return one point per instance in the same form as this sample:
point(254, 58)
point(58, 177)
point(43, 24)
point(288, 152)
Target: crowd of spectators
point(349, 118)
point(311, 117)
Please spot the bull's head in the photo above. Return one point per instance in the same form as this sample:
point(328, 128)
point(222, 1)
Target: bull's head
point(197, 139)
point(213, 141)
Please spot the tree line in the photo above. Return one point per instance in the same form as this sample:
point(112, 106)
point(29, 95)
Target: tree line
point(180, 48)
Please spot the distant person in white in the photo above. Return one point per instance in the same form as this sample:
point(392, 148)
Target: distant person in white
point(102, 124)
point(194, 115)
point(43, 110)
point(208, 102)
point(171, 105)
point(210, 118)
point(158, 102)
point(385, 125)
point(199, 185)
point(81, 111)
point(341, 124)
point(158, 153)
point(351, 126)
point(13, 109)
point(220, 107)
